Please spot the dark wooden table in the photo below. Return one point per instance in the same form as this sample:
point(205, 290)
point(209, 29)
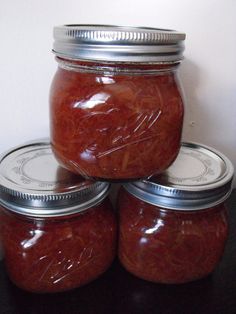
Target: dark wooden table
point(118, 292)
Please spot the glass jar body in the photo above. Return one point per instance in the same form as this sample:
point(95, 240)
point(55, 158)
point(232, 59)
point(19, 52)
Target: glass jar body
point(56, 254)
point(115, 122)
point(170, 246)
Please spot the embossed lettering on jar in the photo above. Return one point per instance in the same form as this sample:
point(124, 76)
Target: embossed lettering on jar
point(116, 111)
point(58, 230)
point(173, 228)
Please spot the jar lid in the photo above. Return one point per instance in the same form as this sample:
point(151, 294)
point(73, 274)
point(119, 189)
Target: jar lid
point(118, 43)
point(32, 183)
point(199, 178)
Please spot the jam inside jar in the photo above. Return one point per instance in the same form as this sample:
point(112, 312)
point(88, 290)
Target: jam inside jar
point(58, 230)
point(173, 227)
point(57, 254)
point(168, 246)
point(113, 120)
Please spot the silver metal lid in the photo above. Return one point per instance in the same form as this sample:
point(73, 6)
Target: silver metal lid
point(118, 43)
point(32, 183)
point(199, 178)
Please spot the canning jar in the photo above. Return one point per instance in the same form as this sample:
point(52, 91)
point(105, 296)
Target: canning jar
point(173, 228)
point(116, 106)
point(58, 230)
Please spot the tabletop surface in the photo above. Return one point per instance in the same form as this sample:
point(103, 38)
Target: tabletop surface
point(118, 292)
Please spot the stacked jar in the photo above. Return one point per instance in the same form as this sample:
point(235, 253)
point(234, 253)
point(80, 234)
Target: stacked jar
point(58, 230)
point(116, 113)
point(116, 107)
point(173, 227)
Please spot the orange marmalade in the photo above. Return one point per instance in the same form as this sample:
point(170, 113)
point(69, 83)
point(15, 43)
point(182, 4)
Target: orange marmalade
point(116, 116)
point(169, 246)
point(173, 227)
point(58, 230)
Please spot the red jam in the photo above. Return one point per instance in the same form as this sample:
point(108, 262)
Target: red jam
point(57, 254)
point(111, 125)
point(170, 246)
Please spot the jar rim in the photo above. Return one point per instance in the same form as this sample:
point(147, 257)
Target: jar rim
point(33, 184)
point(118, 43)
point(200, 177)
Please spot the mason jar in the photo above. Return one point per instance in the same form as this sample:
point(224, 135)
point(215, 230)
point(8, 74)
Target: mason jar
point(173, 227)
point(116, 106)
point(58, 230)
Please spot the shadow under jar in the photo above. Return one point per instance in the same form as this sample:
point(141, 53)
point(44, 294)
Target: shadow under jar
point(116, 107)
point(58, 230)
point(173, 228)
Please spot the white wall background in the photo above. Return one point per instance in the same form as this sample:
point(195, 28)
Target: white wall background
point(208, 72)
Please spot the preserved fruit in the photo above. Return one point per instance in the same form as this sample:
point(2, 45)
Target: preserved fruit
point(58, 230)
point(116, 107)
point(115, 126)
point(57, 254)
point(169, 246)
point(173, 227)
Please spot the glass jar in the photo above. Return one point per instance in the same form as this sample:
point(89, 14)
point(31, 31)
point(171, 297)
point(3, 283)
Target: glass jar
point(116, 107)
point(173, 228)
point(58, 230)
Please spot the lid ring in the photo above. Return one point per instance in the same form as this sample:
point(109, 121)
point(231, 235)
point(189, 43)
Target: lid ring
point(118, 44)
point(201, 177)
point(32, 183)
